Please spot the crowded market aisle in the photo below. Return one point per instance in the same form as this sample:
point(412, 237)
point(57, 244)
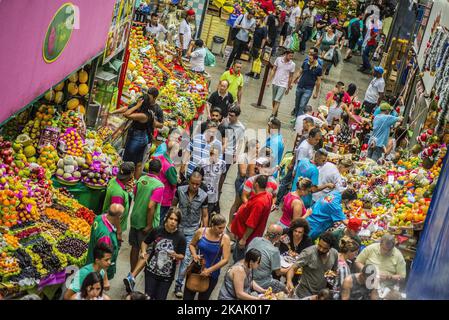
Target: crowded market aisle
point(254, 119)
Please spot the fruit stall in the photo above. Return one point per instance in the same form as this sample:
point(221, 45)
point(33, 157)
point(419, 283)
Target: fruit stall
point(182, 93)
point(395, 197)
point(53, 171)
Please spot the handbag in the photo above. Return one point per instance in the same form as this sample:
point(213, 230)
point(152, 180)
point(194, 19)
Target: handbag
point(194, 280)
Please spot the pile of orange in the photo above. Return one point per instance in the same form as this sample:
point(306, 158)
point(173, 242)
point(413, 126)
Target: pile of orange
point(58, 215)
point(80, 226)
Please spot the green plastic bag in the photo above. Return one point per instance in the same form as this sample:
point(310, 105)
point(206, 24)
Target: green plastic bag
point(209, 60)
point(294, 45)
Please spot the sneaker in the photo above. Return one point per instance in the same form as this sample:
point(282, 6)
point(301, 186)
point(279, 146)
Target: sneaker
point(257, 76)
point(178, 292)
point(129, 282)
point(249, 74)
point(361, 69)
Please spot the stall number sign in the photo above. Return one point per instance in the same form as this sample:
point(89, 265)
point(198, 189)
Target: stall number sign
point(59, 32)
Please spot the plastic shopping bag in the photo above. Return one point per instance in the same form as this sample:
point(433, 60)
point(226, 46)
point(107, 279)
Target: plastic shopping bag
point(287, 42)
point(329, 55)
point(209, 59)
point(294, 45)
point(257, 66)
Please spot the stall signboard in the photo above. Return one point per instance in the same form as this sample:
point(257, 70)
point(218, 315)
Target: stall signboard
point(439, 16)
point(43, 42)
point(120, 28)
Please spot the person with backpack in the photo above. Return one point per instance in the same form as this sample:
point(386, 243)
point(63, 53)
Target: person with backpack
point(244, 24)
point(355, 32)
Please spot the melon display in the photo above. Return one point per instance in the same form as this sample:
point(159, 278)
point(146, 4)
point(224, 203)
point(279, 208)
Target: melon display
point(83, 89)
point(50, 95)
point(60, 86)
point(72, 88)
point(72, 104)
point(83, 76)
point(74, 77)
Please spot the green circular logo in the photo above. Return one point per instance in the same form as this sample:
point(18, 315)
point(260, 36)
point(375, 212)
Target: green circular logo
point(59, 32)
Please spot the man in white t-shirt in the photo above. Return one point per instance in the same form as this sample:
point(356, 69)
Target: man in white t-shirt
point(294, 17)
point(197, 56)
point(154, 29)
point(282, 77)
point(185, 32)
point(306, 148)
point(375, 92)
point(299, 125)
point(329, 173)
point(308, 14)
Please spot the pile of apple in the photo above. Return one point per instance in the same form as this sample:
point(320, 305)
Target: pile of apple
point(72, 142)
point(68, 169)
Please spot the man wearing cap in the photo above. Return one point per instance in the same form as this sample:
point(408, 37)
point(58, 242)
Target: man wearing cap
point(383, 122)
point(104, 230)
point(251, 219)
point(282, 77)
point(116, 193)
point(352, 230)
point(375, 92)
point(390, 263)
point(185, 32)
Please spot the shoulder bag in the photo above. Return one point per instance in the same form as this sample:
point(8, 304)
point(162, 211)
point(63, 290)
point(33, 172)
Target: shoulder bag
point(235, 31)
point(194, 280)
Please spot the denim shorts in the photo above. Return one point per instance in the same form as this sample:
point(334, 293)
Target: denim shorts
point(239, 184)
point(136, 146)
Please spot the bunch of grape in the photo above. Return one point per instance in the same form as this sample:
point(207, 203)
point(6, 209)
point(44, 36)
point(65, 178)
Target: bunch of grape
point(28, 270)
point(50, 261)
point(73, 246)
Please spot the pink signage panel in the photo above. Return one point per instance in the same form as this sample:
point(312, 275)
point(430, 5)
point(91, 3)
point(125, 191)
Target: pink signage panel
point(24, 73)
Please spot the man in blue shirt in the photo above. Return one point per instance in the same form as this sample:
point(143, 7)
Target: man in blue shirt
point(381, 131)
point(329, 210)
point(275, 141)
point(309, 77)
point(309, 169)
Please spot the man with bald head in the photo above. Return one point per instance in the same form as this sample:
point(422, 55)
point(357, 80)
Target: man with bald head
point(221, 98)
point(387, 258)
point(104, 230)
point(271, 259)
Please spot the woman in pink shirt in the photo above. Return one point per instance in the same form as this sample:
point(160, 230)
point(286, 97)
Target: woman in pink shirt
point(293, 206)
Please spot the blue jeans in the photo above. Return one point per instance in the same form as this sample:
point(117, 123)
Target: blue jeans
point(136, 146)
point(302, 99)
point(185, 263)
point(365, 56)
point(307, 33)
